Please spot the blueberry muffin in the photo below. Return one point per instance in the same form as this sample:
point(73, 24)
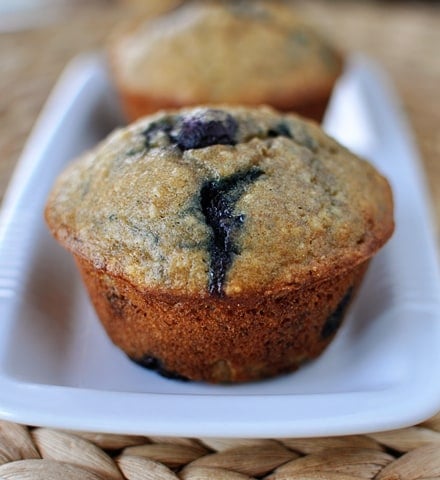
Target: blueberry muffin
point(246, 52)
point(221, 244)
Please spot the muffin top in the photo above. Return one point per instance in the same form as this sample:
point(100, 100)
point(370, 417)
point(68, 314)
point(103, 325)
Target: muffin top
point(245, 52)
point(221, 201)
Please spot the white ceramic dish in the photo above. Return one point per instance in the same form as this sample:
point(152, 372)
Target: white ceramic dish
point(57, 367)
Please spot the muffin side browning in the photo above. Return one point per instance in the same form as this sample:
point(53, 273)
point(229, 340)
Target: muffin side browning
point(221, 340)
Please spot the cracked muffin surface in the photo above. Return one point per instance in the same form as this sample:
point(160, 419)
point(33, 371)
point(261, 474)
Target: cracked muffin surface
point(221, 244)
point(227, 201)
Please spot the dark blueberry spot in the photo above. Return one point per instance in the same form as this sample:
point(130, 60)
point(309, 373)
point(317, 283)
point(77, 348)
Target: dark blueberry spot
point(155, 130)
point(280, 130)
point(153, 363)
point(203, 129)
point(334, 320)
point(218, 199)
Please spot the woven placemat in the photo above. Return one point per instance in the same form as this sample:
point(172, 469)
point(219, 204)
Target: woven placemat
point(44, 453)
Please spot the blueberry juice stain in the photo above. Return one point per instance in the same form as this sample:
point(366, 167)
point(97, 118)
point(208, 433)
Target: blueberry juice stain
point(217, 200)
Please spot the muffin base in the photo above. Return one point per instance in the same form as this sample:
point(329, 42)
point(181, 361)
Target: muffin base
point(136, 106)
point(217, 340)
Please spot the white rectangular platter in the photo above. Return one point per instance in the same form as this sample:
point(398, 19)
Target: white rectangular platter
point(57, 367)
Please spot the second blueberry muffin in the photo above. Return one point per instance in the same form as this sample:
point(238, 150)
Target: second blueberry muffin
point(221, 244)
point(247, 52)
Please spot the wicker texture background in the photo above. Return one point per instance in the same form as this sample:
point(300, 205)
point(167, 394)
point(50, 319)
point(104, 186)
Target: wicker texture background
point(405, 39)
point(42, 453)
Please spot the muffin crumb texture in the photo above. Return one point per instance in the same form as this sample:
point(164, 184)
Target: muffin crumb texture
point(212, 238)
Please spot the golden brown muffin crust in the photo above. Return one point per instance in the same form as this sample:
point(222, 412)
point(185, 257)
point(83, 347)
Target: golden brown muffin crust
point(231, 339)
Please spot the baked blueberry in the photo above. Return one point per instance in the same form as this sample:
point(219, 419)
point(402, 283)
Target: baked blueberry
point(203, 129)
point(153, 363)
point(218, 199)
point(334, 320)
